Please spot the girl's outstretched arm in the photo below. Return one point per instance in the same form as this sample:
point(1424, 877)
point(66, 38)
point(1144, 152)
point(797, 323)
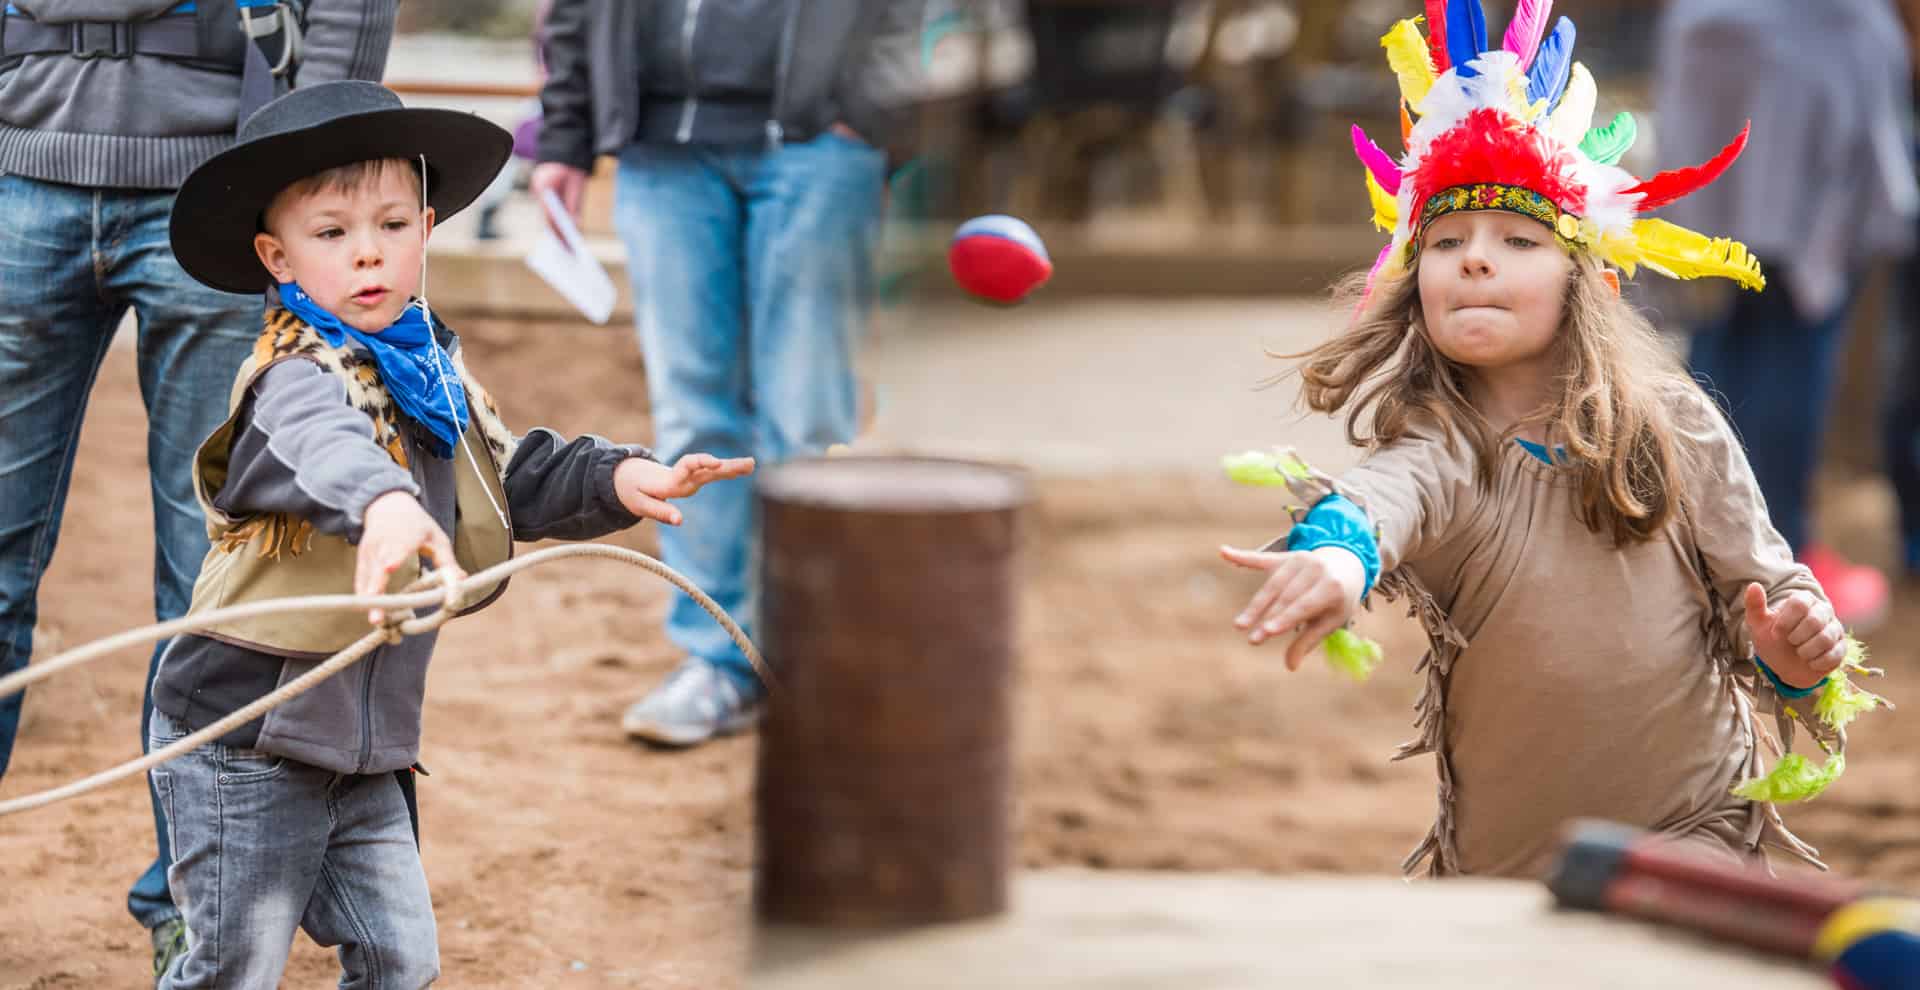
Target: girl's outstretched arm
point(1316, 589)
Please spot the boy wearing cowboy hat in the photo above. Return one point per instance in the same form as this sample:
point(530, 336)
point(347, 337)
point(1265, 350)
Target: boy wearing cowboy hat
point(357, 444)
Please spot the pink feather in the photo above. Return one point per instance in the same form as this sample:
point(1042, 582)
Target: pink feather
point(1373, 275)
point(1523, 32)
point(1378, 162)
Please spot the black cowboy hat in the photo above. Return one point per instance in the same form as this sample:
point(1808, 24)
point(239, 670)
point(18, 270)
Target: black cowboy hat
point(310, 130)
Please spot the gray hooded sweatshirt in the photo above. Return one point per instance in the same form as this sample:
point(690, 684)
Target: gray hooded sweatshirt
point(145, 121)
point(304, 450)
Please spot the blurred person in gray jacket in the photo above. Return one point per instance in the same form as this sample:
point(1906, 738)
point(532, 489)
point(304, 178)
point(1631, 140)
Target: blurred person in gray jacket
point(749, 135)
point(105, 107)
point(1826, 187)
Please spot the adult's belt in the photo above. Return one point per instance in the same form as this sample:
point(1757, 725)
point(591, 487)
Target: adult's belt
point(175, 35)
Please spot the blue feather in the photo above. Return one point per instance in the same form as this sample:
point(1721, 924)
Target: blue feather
point(1466, 34)
point(1547, 80)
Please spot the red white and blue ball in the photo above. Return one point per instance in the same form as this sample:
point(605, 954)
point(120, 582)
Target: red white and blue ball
point(998, 258)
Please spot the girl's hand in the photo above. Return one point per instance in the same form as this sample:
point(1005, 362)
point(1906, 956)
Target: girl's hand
point(1800, 641)
point(644, 486)
point(1315, 591)
point(394, 530)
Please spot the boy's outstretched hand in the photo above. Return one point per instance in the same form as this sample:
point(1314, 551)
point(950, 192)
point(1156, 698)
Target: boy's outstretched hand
point(1800, 640)
point(1318, 589)
point(395, 530)
point(644, 486)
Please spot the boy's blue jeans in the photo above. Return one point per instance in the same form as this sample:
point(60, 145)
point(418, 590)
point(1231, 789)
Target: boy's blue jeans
point(72, 261)
point(752, 275)
point(265, 846)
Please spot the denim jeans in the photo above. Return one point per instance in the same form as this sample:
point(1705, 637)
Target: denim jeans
point(1901, 418)
point(264, 845)
point(752, 276)
point(1773, 371)
point(72, 261)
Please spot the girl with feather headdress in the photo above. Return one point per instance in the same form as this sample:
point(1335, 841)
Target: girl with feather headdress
point(1565, 511)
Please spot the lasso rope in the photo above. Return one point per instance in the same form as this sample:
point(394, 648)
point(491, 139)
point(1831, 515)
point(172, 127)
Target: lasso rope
point(451, 597)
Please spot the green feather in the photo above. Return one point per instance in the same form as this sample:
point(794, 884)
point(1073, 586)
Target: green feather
point(1606, 144)
point(1351, 653)
point(1347, 651)
point(1261, 468)
point(1795, 778)
point(1252, 468)
point(1839, 701)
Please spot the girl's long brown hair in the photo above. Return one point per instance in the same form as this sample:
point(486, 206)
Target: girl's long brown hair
point(1613, 411)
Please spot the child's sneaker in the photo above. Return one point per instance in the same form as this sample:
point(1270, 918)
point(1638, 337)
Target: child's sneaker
point(697, 702)
point(1858, 593)
point(169, 941)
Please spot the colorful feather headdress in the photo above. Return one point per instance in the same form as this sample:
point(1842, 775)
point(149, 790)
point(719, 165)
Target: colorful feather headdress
point(1510, 128)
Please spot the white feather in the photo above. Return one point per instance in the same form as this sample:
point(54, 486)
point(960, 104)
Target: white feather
point(1569, 123)
point(1609, 209)
point(1453, 97)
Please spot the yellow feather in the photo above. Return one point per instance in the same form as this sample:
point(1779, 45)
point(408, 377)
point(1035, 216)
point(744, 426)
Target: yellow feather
point(1677, 252)
point(1570, 121)
point(1517, 99)
point(1386, 211)
point(1408, 56)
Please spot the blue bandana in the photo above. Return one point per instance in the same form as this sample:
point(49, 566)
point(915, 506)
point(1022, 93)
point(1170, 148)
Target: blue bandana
point(416, 370)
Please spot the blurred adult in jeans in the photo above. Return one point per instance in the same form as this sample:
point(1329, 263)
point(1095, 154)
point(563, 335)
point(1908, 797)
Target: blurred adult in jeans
point(749, 136)
point(1901, 437)
point(1826, 188)
point(105, 107)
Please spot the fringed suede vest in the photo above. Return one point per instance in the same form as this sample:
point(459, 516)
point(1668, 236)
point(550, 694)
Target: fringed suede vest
point(264, 557)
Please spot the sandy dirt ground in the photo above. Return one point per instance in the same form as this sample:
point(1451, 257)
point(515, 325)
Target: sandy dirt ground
point(561, 855)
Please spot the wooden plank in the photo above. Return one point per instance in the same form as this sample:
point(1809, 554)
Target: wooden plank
point(463, 90)
point(1078, 930)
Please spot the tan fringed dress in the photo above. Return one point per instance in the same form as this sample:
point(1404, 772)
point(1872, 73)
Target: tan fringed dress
point(1567, 677)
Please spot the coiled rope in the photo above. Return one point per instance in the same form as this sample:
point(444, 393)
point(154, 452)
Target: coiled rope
point(399, 623)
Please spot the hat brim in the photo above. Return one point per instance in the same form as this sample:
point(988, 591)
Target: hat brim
point(217, 211)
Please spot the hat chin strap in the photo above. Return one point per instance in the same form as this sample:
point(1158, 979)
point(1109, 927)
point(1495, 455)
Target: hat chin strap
point(426, 310)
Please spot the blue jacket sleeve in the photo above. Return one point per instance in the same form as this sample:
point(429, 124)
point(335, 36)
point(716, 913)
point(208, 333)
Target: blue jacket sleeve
point(1335, 521)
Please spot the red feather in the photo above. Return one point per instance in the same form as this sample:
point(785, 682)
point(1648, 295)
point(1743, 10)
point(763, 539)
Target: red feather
point(1665, 187)
point(1489, 146)
point(1437, 34)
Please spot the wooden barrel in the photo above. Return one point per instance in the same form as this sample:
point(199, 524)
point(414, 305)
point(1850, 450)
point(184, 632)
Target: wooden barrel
point(884, 787)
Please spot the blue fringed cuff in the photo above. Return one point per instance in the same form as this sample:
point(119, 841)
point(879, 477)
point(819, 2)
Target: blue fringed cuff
point(1786, 690)
point(1335, 521)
